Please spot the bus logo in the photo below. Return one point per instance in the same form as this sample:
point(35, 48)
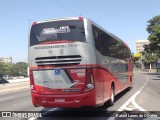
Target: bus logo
point(50, 52)
point(61, 51)
point(57, 71)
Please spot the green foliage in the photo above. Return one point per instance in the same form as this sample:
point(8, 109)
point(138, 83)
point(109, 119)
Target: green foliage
point(153, 29)
point(150, 58)
point(18, 69)
point(5, 68)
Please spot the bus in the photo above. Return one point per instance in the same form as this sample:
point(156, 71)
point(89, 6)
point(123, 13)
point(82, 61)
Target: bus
point(73, 62)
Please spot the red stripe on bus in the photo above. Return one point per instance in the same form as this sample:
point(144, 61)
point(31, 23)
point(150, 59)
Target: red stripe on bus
point(57, 41)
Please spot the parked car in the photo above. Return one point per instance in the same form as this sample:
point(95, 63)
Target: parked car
point(2, 80)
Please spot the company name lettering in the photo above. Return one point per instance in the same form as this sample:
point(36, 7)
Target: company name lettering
point(55, 46)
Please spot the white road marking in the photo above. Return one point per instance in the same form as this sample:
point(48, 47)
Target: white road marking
point(50, 110)
point(7, 98)
point(137, 106)
point(132, 100)
point(32, 118)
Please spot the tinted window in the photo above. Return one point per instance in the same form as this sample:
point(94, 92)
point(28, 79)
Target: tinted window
point(109, 46)
point(57, 30)
point(104, 43)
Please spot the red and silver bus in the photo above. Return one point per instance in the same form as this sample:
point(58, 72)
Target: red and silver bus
point(74, 62)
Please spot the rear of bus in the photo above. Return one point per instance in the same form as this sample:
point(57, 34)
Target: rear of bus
point(58, 58)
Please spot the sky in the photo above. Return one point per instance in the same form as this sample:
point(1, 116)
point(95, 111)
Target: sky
point(127, 19)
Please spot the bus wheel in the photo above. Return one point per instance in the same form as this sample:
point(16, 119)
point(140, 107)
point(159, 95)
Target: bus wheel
point(36, 106)
point(131, 86)
point(112, 96)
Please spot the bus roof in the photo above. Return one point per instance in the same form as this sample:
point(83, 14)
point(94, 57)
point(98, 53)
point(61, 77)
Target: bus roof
point(59, 19)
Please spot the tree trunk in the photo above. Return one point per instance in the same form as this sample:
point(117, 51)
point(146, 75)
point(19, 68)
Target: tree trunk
point(150, 66)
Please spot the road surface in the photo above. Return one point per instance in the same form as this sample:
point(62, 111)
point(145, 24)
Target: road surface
point(144, 96)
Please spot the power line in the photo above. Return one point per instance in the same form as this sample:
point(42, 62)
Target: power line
point(16, 18)
point(29, 19)
point(69, 9)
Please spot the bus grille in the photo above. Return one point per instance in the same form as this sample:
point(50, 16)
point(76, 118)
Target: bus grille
point(58, 60)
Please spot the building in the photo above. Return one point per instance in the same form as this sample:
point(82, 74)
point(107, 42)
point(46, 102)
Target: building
point(6, 60)
point(140, 44)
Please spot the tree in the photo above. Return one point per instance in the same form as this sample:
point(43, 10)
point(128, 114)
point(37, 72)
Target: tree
point(20, 68)
point(1, 68)
point(150, 58)
point(153, 29)
point(5, 68)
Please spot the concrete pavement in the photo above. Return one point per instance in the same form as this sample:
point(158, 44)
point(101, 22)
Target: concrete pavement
point(13, 85)
point(18, 80)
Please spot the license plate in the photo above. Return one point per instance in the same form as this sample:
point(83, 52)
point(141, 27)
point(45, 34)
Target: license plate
point(59, 100)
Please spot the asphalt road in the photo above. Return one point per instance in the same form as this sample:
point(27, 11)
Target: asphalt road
point(149, 98)
point(144, 96)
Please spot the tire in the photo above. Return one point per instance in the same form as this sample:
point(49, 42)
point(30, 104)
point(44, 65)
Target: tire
point(131, 86)
point(112, 97)
point(36, 106)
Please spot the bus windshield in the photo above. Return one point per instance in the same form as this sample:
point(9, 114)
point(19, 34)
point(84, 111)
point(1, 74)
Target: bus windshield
point(72, 30)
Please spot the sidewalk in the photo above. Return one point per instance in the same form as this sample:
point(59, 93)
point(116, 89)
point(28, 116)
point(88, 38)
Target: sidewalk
point(13, 85)
point(18, 80)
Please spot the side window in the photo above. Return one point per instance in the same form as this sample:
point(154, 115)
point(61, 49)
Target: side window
point(97, 39)
point(113, 47)
point(104, 43)
point(127, 53)
point(121, 52)
point(124, 52)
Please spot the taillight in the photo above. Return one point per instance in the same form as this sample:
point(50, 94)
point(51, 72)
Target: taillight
point(31, 81)
point(89, 83)
point(80, 18)
point(34, 23)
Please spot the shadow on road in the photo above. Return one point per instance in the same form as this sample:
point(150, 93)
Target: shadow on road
point(155, 76)
point(152, 73)
point(156, 79)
